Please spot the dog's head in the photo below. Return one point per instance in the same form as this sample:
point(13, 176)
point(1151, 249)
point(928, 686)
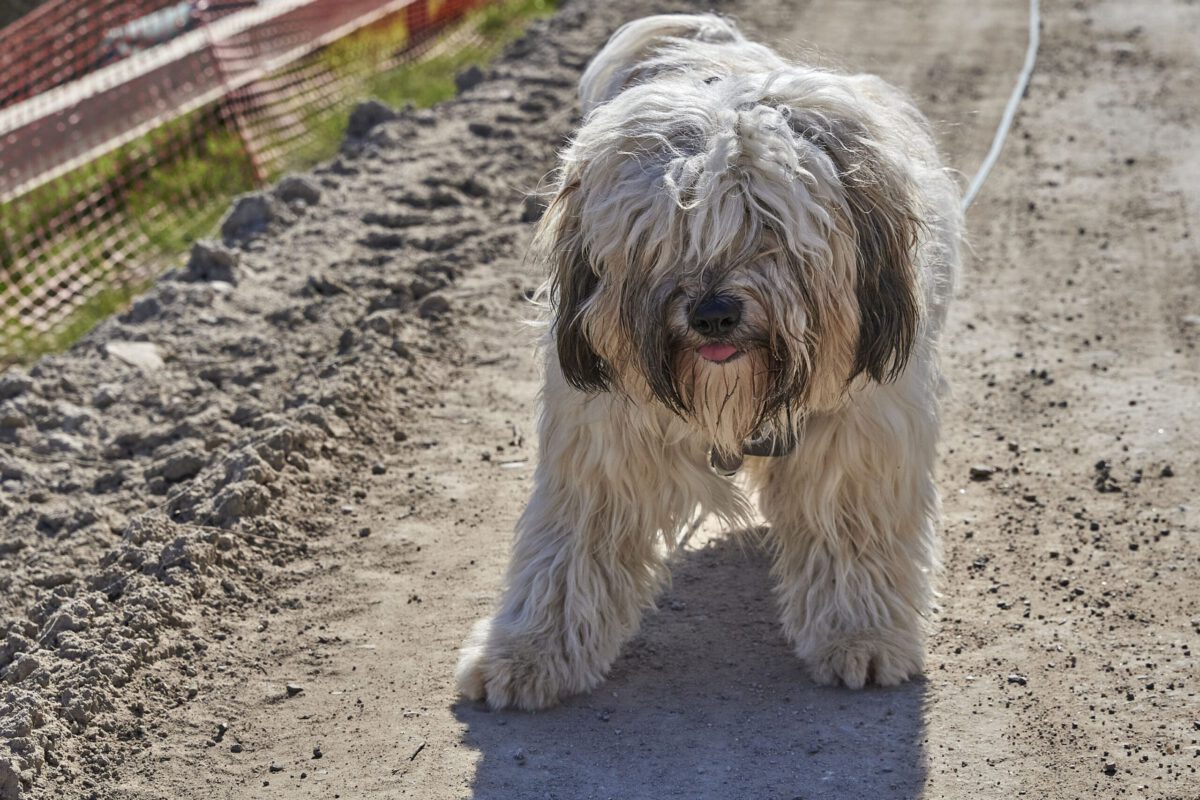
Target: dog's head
point(738, 248)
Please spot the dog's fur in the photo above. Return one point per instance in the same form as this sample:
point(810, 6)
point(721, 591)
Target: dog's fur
point(706, 165)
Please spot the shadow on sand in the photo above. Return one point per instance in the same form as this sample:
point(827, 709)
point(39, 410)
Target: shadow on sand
point(706, 702)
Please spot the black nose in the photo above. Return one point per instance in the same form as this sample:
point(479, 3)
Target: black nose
point(716, 316)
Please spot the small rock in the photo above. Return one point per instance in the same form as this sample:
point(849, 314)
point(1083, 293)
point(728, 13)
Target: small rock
point(13, 383)
point(468, 79)
point(323, 286)
point(394, 219)
point(435, 305)
point(236, 747)
point(1110, 768)
point(50, 580)
point(982, 473)
point(180, 466)
point(379, 468)
point(399, 297)
point(59, 442)
point(367, 115)
point(146, 308)
point(1104, 481)
point(250, 215)
point(380, 322)
point(105, 395)
point(384, 240)
point(364, 533)
point(317, 752)
point(211, 261)
point(144, 355)
point(481, 129)
point(472, 186)
point(1167, 472)
point(421, 288)
point(297, 187)
point(1020, 680)
point(275, 767)
point(294, 689)
point(21, 668)
point(519, 756)
point(12, 417)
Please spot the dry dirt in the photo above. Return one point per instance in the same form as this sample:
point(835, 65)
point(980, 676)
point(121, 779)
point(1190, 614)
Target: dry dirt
point(243, 571)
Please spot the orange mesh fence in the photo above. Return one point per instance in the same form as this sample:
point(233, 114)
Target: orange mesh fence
point(127, 125)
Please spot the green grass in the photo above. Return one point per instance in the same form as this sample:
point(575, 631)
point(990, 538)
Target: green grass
point(207, 160)
point(422, 83)
point(431, 81)
point(207, 176)
point(26, 345)
point(169, 202)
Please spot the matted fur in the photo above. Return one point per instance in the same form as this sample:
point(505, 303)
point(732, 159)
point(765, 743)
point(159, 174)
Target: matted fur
point(707, 165)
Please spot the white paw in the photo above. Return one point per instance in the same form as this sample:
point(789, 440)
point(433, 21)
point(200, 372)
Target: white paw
point(882, 658)
point(511, 671)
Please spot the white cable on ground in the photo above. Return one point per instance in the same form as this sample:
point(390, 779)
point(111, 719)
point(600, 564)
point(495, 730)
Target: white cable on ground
point(1010, 110)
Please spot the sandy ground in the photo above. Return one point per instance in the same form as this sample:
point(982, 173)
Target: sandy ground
point(317, 486)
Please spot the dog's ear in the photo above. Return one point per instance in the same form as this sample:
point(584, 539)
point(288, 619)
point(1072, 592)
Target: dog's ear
point(572, 283)
point(884, 224)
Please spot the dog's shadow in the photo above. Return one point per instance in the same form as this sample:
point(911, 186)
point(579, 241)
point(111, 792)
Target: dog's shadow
point(706, 702)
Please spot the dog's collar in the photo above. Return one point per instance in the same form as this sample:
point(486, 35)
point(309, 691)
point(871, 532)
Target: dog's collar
point(766, 446)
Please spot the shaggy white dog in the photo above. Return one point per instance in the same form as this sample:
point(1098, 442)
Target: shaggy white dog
point(750, 262)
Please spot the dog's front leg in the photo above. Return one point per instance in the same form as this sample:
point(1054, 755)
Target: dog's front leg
point(852, 523)
point(584, 562)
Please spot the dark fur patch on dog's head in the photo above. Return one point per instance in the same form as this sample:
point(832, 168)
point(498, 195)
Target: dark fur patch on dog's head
point(573, 282)
point(885, 223)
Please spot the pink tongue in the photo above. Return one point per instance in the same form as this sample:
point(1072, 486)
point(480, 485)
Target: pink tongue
point(717, 352)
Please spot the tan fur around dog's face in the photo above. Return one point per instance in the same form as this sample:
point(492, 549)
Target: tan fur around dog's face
point(677, 191)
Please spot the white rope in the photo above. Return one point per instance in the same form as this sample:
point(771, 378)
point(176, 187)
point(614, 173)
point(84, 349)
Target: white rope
point(1010, 110)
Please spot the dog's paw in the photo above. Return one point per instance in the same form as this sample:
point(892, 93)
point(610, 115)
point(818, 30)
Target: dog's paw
point(882, 658)
point(509, 671)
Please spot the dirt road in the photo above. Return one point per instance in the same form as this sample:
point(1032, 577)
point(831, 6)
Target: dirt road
point(317, 487)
